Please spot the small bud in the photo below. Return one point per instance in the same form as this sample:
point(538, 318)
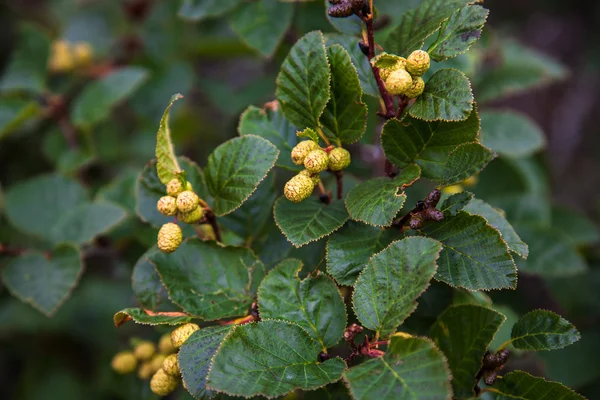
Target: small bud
point(489, 377)
point(124, 362)
point(339, 159)
point(316, 161)
point(146, 371)
point(323, 356)
point(165, 346)
point(418, 63)
point(416, 88)
point(191, 217)
point(316, 178)
point(182, 333)
point(299, 188)
point(187, 201)
point(174, 187)
point(144, 350)
point(398, 82)
point(433, 198)
point(163, 384)
point(301, 150)
point(503, 355)
point(167, 206)
point(169, 237)
point(171, 365)
point(341, 10)
point(433, 214)
point(416, 221)
point(352, 331)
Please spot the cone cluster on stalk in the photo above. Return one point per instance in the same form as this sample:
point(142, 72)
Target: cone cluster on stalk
point(402, 76)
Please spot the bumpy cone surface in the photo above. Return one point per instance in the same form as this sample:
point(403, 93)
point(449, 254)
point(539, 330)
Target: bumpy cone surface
point(163, 384)
point(167, 205)
point(174, 187)
point(171, 365)
point(398, 82)
point(187, 201)
point(418, 63)
point(182, 333)
point(169, 237)
point(301, 150)
point(144, 350)
point(124, 362)
point(339, 159)
point(191, 217)
point(299, 188)
point(165, 346)
point(316, 161)
point(416, 89)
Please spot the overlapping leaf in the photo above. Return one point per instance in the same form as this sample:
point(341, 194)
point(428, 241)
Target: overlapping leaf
point(385, 293)
point(270, 358)
point(146, 283)
point(458, 32)
point(350, 249)
point(44, 282)
point(96, 101)
point(235, 169)
point(314, 303)
point(428, 144)
point(447, 97)
point(543, 330)
point(465, 161)
point(418, 24)
point(411, 368)
point(16, 112)
point(209, 280)
point(577, 227)
point(167, 166)
point(85, 222)
point(474, 256)
point(464, 333)
point(345, 116)
point(378, 201)
point(351, 25)
point(310, 220)
point(303, 81)
point(497, 220)
point(195, 356)
point(262, 24)
point(197, 10)
point(521, 385)
point(147, 317)
point(363, 67)
point(511, 134)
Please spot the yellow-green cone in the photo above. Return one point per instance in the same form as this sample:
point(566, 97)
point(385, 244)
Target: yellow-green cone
point(301, 150)
point(171, 365)
point(418, 62)
point(124, 362)
point(316, 161)
point(339, 159)
point(167, 205)
point(182, 333)
point(144, 350)
point(398, 82)
point(163, 384)
point(191, 217)
point(416, 89)
point(174, 187)
point(187, 201)
point(165, 346)
point(299, 188)
point(169, 237)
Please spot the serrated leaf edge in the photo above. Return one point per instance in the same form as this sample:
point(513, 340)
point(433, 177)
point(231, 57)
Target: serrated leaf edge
point(553, 313)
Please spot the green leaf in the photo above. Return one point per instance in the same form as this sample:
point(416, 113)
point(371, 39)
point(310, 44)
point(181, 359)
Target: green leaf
point(550, 252)
point(465, 161)
point(27, 68)
point(167, 166)
point(150, 189)
point(520, 69)
point(378, 201)
point(195, 356)
point(543, 330)
point(146, 283)
point(447, 97)
point(147, 317)
point(308, 134)
point(363, 67)
point(521, 385)
point(16, 112)
point(412, 368)
point(577, 228)
point(418, 24)
point(36, 205)
point(44, 282)
point(197, 10)
point(97, 99)
point(273, 126)
point(314, 303)
point(270, 358)
point(351, 25)
point(262, 24)
point(303, 81)
point(475, 256)
point(455, 203)
point(498, 221)
point(458, 32)
point(428, 144)
point(345, 117)
point(350, 249)
point(511, 134)
point(209, 280)
point(464, 333)
point(386, 291)
point(87, 221)
point(308, 221)
point(235, 169)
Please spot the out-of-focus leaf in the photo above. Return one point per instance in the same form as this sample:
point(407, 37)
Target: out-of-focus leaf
point(146, 282)
point(96, 101)
point(197, 10)
point(85, 222)
point(15, 112)
point(44, 282)
point(576, 227)
point(511, 134)
point(262, 24)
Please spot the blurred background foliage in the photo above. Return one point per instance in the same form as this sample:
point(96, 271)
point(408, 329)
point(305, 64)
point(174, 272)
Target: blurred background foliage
point(94, 118)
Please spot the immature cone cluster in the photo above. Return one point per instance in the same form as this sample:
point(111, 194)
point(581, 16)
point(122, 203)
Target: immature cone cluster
point(182, 333)
point(124, 362)
point(345, 8)
point(426, 211)
point(66, 56)
point(403, 77)
point(315, 160)
point(180, 201)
